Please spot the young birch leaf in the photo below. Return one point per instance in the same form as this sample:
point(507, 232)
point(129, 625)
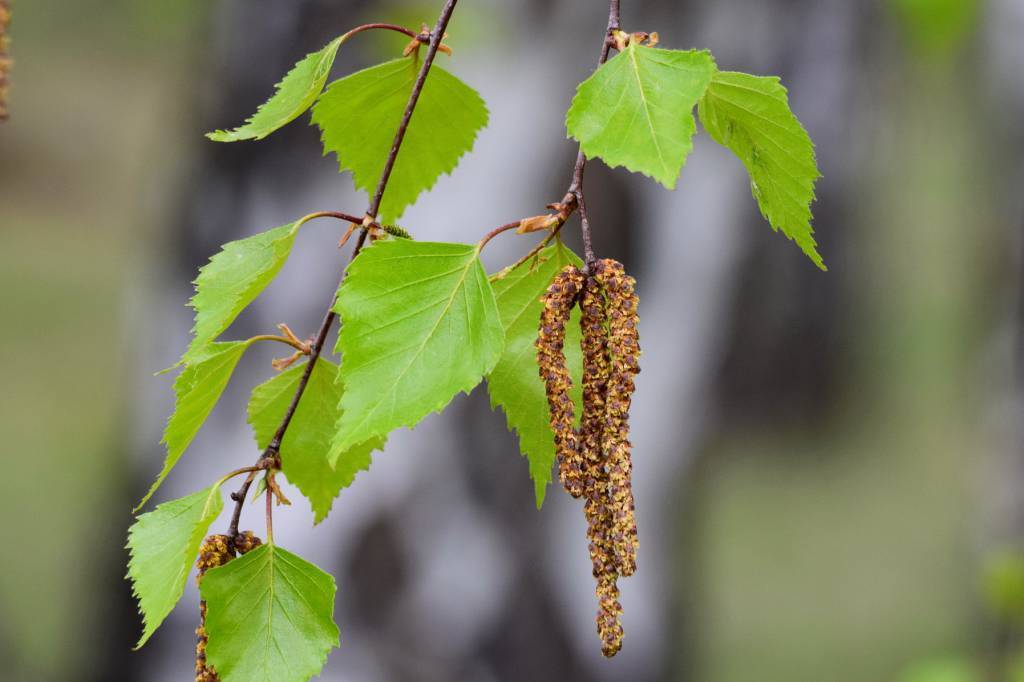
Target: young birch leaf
point(419, 325)
point(358, 116)
point(308, 440)
point(233, 279)
point(295, 93)
point(514, 383)
point(163, 544)
point(196, 390)
point(635, 110)
point(751, 116)
point(269, 617)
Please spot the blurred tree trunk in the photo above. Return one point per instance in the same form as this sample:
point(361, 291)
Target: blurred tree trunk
point(831, 533)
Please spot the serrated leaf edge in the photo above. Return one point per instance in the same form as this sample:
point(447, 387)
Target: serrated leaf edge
point(132, 530)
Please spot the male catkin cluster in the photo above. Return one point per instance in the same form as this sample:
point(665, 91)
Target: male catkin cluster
point(5, 59)
point(215, 551)
point(594, 461)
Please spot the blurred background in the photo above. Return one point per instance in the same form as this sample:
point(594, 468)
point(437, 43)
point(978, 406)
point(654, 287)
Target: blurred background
point(829, 467)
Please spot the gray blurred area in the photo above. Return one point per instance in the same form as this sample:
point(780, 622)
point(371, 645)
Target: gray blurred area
point(828, 466)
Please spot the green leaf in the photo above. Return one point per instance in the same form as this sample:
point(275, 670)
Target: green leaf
point(514, 383)
point(751, 116)
point(295, 93)
point(163, 544)
point(269, 617)
point(196, 390)
point(419, 324)
point(635, 110)
point(359, 115)
point(308, 439)
point(233, 279)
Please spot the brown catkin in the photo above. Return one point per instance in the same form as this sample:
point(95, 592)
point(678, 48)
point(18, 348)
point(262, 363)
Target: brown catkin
point(595, 461)
point(558, 303)
point(624, 353)
point(215, 551)
point(594, 346)
point(5, 60)
point(609, 629)
point(598, 506)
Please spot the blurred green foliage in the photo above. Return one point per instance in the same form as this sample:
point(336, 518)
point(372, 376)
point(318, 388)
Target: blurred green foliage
point(937, 26)
point(1004, 585)
point(942, 670)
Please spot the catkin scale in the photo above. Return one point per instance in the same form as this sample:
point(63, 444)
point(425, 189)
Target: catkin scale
point(215, 551)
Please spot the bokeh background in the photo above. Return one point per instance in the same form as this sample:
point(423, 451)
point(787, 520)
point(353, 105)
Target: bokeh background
point(829, 467)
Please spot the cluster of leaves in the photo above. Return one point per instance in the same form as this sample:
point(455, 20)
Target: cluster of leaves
point(422, 321)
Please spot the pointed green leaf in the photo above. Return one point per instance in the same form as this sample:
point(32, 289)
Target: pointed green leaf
point(196, 390)
point(269, 617)
point(163, 544)
point(514, 383)
point(308, 439)
point(359, 115)
point(751, 116)
point(294, 94)
point(233, 279)
point(419, 324)
point(635, 110)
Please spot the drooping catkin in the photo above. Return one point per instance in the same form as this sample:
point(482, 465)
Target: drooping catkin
point(609, 629)
point(215, 551)
point(558, 303)
point(595, 460)
point(5, 60)
point(624, 353)
point(596, 365)
point(598, 507)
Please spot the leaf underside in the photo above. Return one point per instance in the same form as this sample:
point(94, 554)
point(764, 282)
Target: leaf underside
point(751, 116)
point(359, 115)
point(269, 617)
point(293, 95)
point(233, 279)
point(304, 451)
point(635, 110)
point(163, 544)
point(196, 390)
point(514, 383)
point(420, 325)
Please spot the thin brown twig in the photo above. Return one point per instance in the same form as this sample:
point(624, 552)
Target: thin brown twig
point(239, 472)
point(435, 41)
point(299, 346)
point(574, 199)
point(340, 216)
point(576, 186)
point(537, 248)
point(387, 27)
point(270, 516)
point(273, 449)
point(495, 232)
